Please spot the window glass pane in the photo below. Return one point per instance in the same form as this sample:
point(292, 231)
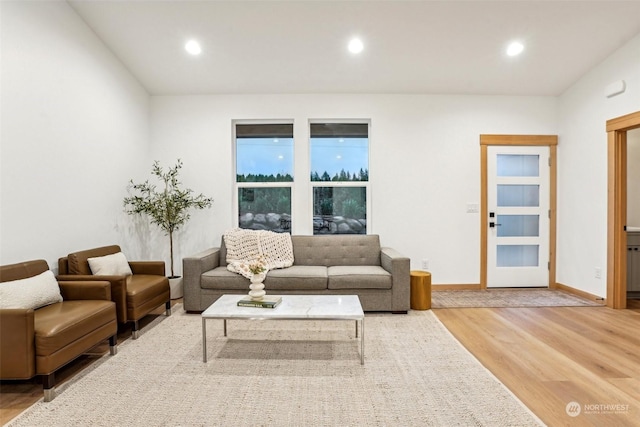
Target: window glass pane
point(518, 195)
point(339, 152)
point(518, 225)
point(518, 164)
point(265, 208)
point(264, 153)
point(339, 210)
point(517, 255)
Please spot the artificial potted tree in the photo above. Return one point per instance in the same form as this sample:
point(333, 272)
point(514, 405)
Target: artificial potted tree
point(167, 207)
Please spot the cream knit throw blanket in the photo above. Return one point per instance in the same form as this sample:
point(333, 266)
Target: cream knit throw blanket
point(247, 246)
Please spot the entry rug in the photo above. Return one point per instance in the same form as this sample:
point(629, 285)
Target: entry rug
point(507, 298)
point(285, 373)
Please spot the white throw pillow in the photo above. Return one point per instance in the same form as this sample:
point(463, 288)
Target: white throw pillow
point(32, 292)
point(110, 265)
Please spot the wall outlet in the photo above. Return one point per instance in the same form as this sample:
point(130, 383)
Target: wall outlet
point(425, 264)
point(598, 273)
point(473, 208)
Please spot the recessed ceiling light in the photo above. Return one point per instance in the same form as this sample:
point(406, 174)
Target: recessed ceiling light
point(193, 47)
point(515, 48)
point(355, 45)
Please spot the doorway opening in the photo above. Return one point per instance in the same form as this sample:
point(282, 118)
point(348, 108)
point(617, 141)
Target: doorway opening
point(617, 207)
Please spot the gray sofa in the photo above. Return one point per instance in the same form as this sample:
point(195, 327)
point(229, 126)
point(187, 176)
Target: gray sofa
point(323, 264)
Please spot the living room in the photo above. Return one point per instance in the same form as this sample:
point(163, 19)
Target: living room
point(78, 122)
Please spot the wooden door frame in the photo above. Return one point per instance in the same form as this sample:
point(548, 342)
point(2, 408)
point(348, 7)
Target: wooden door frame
point(518, 140)
point(617, 207)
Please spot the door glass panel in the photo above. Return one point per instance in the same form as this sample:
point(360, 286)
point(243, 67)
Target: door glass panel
point(518, 195)
point(518, 225)
point(518, 165)
point(517, 256)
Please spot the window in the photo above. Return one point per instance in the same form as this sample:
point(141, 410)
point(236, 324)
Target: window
point(264, 175)
point(339, 177)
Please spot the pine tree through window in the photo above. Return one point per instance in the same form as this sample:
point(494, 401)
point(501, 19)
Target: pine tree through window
point(339, 177)
point(264, 175)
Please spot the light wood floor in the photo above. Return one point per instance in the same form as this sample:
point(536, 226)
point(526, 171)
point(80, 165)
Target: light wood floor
point(547, 357)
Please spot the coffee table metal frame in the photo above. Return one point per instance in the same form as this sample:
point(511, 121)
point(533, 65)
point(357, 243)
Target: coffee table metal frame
point(292, 307)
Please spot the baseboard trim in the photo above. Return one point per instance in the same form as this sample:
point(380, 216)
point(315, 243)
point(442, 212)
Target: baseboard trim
point(578, 292)
point(456, 287)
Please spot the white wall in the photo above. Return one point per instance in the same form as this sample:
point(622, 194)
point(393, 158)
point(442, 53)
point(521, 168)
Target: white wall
point(74, 128)
point(582, 166)
point(633, 178)
point(424, 163)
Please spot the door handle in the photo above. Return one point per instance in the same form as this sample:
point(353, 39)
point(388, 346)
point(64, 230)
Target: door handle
point(493, 224)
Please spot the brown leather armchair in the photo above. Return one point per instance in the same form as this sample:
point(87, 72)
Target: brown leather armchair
point(38, 342)
point(135, 295)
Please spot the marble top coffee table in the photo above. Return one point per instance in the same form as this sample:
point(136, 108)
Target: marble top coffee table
point(292, 307)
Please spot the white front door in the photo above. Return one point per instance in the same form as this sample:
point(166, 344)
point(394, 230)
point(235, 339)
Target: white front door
point(518, 203)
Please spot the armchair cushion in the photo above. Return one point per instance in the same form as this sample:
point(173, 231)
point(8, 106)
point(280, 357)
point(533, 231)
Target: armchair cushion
point(58, 326)
point(110, 265)
point(30, 293)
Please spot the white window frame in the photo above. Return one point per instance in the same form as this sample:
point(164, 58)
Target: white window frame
point(366, 184)
point(234, 170)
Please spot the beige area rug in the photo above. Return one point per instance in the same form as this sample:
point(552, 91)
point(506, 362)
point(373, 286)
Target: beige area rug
point(507, 298)
point(286, 373)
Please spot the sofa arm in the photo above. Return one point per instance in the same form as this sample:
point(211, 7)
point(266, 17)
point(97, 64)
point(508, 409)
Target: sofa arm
point(155, 268)
point(118, 289)
point(85, 290)
point(192, 268)
point(17, 344)
point(399, 267)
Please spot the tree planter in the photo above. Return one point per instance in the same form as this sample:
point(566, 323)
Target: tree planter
point(175, 283)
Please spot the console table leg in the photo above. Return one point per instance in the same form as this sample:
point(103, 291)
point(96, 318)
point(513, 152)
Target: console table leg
point(225, 326)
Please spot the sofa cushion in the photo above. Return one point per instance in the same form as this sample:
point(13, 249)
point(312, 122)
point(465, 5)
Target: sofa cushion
point(221, 278)
point(297, 277)
point(338, 249)
point(30, 293)
point(110, 265)
point(359, 277)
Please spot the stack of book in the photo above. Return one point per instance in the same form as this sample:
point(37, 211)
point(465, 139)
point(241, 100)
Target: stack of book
point(267, 301)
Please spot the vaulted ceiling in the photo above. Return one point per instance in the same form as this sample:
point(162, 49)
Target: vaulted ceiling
point(436, 47)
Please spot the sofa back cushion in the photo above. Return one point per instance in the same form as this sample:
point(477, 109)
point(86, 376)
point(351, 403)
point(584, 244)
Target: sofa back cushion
point(336, 249)
point(330, 249)
point(78, 261)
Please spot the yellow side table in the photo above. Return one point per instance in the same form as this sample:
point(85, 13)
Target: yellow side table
point(420, 290)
